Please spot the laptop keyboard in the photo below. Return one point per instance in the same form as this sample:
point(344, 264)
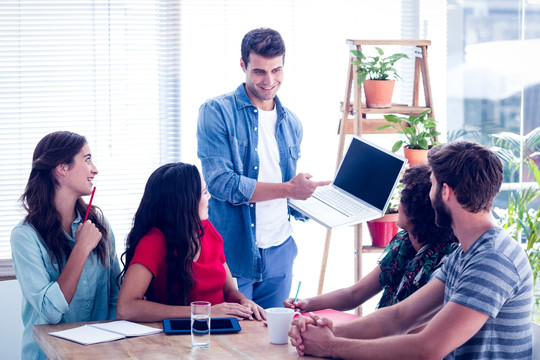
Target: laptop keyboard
point(339, 201)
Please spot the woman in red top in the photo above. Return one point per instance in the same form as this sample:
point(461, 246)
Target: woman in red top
point(174, 255)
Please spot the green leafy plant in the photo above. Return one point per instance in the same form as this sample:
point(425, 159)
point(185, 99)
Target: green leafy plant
point(534, 260)
point(419, 132)
point(394, 200)
point(530, 223)
point(376, 67)
point(521, 220)
point(468, 132)
point(515, 150)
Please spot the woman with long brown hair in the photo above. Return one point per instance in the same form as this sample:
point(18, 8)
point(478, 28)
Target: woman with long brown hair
point(66, 267)
point(174, 255)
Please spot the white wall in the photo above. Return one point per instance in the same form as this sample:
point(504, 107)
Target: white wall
point(11, 327)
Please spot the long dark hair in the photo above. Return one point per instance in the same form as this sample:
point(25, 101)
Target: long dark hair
point(38, 198)
point(415, 198)
point(170, 203)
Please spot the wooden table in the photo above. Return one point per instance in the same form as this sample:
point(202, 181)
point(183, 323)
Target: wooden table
point(251, 343)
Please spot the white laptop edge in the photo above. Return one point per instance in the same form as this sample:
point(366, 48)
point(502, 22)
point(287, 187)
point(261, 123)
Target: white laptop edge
point(351, 221)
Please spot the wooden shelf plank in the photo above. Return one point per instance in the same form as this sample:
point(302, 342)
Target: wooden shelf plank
point(370, 126)
point(398, 109)
point(372, 249)
point(389, 42)
point(394, 109)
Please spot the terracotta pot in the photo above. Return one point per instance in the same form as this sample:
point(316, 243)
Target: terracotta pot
point(379, 93)
point(383, 229)
point(415, 156)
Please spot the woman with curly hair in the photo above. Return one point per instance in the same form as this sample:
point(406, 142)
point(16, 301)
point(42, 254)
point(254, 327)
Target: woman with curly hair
point(409, 260)
point(66, 265)
point(174, 255)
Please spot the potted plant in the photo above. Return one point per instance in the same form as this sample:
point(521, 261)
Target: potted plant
point(383, 229)
point(420, 135)
point(374, 74)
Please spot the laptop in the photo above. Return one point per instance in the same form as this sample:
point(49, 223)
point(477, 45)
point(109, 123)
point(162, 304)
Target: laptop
point(361, 190)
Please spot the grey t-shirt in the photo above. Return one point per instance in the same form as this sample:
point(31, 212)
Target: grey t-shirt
point(494, 277)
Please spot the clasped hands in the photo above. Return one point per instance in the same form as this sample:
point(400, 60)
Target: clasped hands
point(312, 335)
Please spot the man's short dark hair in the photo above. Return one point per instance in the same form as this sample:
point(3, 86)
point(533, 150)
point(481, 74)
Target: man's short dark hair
point(473, 171)
point(265, 42)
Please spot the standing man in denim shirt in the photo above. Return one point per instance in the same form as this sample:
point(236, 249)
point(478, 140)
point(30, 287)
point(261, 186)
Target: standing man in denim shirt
point(249, 145)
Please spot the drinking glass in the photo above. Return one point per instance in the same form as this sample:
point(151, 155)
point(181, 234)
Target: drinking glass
point(200, 324)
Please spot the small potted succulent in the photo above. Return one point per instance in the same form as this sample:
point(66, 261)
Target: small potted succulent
point(377, 74)
point(420, 135)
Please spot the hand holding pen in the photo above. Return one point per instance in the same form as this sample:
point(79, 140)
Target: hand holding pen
point(87, 234)
point(297, 291)
point(294, 303)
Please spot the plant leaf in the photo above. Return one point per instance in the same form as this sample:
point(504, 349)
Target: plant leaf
point(536, 172)
point(386, 127)
point(393, 118)
point(358, 54)
point(409, 130)
point(423, 144)
point(362, 76)
point(397, 146)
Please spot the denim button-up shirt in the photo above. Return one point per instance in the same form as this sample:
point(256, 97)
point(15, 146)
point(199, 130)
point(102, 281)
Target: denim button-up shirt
point(228, 137)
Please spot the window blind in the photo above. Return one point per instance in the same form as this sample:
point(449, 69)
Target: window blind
point(104, 69)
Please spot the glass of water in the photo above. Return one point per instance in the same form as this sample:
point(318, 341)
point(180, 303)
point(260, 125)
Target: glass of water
point(200, 324)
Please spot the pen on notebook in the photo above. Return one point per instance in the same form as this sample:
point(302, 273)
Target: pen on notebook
point(297, 291)
point(89, 204)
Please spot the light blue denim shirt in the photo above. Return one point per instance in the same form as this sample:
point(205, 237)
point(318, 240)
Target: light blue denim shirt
point(43, 302)
point(227, 135)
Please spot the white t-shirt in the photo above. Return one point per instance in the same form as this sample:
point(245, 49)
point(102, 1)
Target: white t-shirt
point(273, 226)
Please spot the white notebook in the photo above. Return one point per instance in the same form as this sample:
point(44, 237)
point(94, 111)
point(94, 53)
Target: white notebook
point(102, 332)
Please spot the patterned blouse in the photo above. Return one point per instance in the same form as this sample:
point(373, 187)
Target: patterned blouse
point(403, 270)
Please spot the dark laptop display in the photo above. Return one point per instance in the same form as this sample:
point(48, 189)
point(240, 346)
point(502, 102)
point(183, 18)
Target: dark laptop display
point(370, 176)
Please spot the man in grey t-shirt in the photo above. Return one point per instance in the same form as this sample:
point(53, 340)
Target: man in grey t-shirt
point(477, 307)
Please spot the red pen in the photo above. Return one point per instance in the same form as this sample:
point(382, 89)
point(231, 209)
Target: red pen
point(89, 204)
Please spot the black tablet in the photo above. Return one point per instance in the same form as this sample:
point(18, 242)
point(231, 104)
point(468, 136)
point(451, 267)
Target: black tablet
point(217, 326)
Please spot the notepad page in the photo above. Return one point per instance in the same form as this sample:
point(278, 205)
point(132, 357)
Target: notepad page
point(87, 335)
point(127, 328)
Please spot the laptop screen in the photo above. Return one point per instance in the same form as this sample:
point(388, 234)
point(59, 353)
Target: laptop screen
point(369, 173)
